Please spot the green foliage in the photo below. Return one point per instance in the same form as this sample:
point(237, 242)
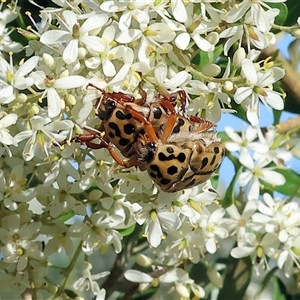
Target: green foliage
point(237, 278)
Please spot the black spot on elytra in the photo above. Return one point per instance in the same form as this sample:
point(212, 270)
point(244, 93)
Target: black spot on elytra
point(216, 150)
point(121, 116)
point(124, 142)
point(191, 183)
point(180, 123)
point(129, 128)
point(172, 170)
point(170, 150)
point(156, 169)
point(111, 135)
point(165, 181)
point(204, 162)
point(114, 127)
point(213, 160)
point(158, 174)
point(157, 113)
point(181, 157)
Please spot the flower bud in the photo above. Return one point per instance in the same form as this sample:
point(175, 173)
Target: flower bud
point(95, 195)
point(143, 260)
point(28, 34)
point(215, 277)
point(238, 57)
point(211, 70)
point(49, 61)
point(228, 86)
point(21, 98)
point(65, 73)
point(213, 38)
point(33, 110)
point(71, 99)
point(182, 290)
point(81, 52)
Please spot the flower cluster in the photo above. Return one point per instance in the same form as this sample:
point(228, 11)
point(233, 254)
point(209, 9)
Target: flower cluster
point(59, 199)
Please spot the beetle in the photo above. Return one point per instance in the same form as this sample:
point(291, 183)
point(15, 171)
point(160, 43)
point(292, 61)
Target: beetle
point(178, 152)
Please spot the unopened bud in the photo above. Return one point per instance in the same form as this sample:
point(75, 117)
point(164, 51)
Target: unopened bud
point(211, 70)
point(143, 260)
point(81, 52)
point(28, 34)
point(182, 290)
point(228, 86)
point(213, 38)
point(239, 57)
point(215, 278)
point(95, 195)
point(33, 110)
point(65, 73)
point(49, 61)
point(71, 99)
point(21, 98)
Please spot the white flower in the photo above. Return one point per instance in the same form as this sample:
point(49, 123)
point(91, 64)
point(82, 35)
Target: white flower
point(209, 98)
point(258, 14)
point(194, 28)
point(132, 9)
point(244, 142)
point(238, 223)
point(43, 135)
point(5, 137)
point(13, 187)
point(279, 217)
point(278, 155)
point(11, 79)
point(258, 89)
point(156, 219)
point(256, 171)
point(106, 56)
point(89, 281)
point(258, 248)
point(99, 231)
point(76, 35)
point(212, 228)
point(289, 255)
point(17, 239)
point(51, 86)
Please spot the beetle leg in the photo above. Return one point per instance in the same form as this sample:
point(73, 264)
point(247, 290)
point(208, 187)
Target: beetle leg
point(141, 118)
point(204, 124)
point(171, 120)
point(143, 94)
point(115, 96)
point(87, 140)
point(173, 97)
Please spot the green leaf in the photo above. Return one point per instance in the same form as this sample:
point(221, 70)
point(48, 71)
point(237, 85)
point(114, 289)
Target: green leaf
point(145, 295)
point(278, 289)
point(265, 282)
point(66, 216)
point(277, 116)
point(127, 231)
point(293, 9)
point(237, 278)
point(229, 197)
point(291, 186)
point(203, 59)
point(283, 12)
